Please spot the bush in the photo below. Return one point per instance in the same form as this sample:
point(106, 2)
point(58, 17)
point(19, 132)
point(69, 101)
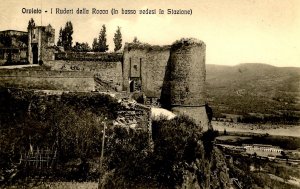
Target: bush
point(71, 124)
point(136, 164)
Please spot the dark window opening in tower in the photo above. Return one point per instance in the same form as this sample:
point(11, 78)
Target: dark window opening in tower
point(34, 54)
point(131, 85)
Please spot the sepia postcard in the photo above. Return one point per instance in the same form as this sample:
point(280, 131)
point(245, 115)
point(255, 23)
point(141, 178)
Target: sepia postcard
point(150, 94)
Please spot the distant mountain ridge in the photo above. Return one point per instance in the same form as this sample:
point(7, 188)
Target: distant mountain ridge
point(253, 88)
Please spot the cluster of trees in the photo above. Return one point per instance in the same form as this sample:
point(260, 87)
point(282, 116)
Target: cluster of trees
point(240, 168)
point(73, 126)
point(65, 38)
point(81, 47)
point(285, 118)
point(99, 45)
point(178, 149)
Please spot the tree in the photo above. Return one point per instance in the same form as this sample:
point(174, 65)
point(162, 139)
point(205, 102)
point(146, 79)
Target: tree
point(176, 149)
point(59, 42)
point(135, 40)
point(176, 144)
point(81, 47)
point(31, 24)
point(118, 39)
point(95, 45)
point(103, 47)
point(67, 38)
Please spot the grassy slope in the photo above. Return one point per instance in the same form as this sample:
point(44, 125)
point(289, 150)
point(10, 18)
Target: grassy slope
point(253, 88)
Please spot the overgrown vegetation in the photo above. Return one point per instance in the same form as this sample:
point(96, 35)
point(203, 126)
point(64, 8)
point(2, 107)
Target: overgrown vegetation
point(261, 175)
point(73, 123)
point(70, 124)
point(176, 155)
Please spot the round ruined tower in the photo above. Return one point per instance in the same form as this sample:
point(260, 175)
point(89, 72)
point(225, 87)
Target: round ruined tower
point(185, 80)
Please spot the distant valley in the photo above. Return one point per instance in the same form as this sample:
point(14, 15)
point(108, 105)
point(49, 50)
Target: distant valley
point(254, 92)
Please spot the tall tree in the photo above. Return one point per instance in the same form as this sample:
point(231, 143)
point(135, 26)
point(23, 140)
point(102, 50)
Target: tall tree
point(67, 38)
point(59, 42)
point(103, 47)
point(31, 24)
point(95, 45)
point(118, 39)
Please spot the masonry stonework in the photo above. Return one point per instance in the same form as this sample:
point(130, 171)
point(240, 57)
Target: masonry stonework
point(184, 84)
point(144, 64)
point(173, 74)
point(108, 72)
point(186, 73)
point(41, 44)
point(47, 80)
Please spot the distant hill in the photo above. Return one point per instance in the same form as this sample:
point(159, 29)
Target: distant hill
point(254, 89)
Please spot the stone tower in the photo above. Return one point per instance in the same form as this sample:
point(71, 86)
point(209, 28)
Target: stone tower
point(184, 86)
point(40, 44)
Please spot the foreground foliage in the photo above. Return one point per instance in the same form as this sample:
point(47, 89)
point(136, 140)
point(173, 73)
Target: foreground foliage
point(176, 158)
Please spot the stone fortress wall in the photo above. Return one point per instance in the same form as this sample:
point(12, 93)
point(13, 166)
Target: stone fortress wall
point(107, 72)
point(175, 75)
point(47, 80)
point(41, 44)
point(185, 74)
point(184, 84)
point(147, 64)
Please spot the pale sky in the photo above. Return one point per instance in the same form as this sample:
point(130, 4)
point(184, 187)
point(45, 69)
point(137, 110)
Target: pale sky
point(235, 31)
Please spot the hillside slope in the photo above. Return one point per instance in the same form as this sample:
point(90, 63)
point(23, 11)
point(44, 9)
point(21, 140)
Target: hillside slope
point(258, 89)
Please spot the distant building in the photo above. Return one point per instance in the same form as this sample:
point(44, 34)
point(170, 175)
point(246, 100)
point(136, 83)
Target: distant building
point(13, 46)
point(33, 46)
point(263, 149)
point(41, 44)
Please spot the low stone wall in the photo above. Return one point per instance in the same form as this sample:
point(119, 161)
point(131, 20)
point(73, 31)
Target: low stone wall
point(48, 80)
point(108, 72)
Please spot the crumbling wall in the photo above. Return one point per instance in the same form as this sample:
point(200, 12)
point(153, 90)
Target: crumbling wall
point(150, 62)
point(134, 116)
